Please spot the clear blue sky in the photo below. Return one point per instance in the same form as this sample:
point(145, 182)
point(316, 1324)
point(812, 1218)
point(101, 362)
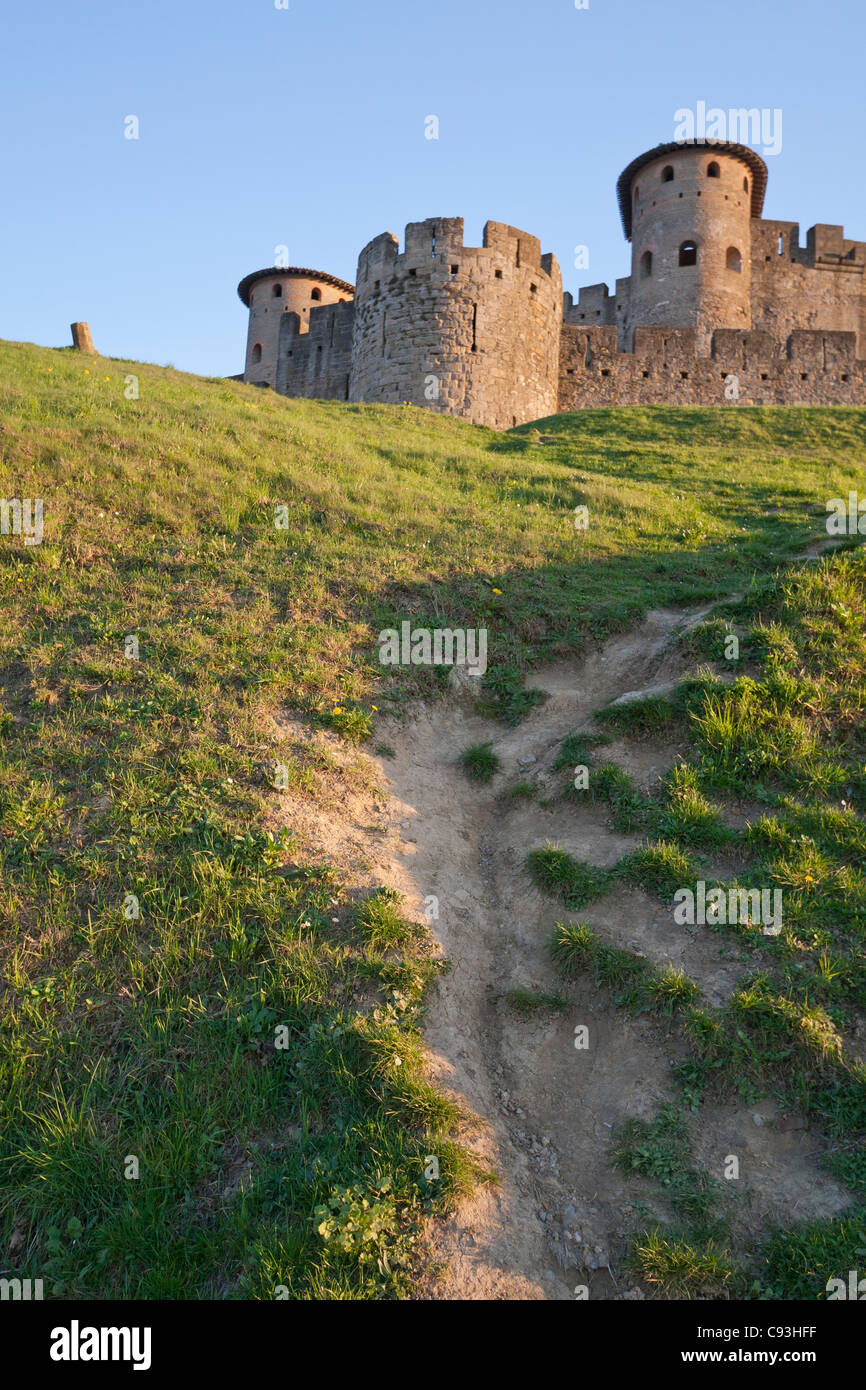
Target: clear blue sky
point(305, 127)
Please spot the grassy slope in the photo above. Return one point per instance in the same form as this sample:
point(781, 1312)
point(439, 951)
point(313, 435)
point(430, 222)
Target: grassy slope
point(787, 734)
point(153, 1036)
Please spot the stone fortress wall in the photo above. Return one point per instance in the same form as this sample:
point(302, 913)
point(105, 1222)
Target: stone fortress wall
point(720, 305)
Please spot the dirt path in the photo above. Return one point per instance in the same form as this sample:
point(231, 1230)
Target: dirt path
point(560, 1214)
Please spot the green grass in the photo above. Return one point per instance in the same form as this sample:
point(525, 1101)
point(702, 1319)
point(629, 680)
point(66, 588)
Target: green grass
point(557, 872)
point(182, 987)
point(528, 1002)
point(479, 762)
point(660, 1149)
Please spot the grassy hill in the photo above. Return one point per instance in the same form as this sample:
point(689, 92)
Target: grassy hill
point(153, 934)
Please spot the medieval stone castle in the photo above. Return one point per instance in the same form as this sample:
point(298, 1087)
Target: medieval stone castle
point(721, 305)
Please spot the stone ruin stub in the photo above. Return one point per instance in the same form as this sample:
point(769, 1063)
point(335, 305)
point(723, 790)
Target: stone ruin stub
point(81, 338)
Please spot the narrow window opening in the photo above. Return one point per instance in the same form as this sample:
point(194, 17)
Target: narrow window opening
point(277, 291)
point(713, 170)
point(781, 244)
point(689, 253)
point(646, 265)
point(413, 272)
point(474, 327)
point(733, 259)
point(668, 174)
point(316, 294)
point(499, 274)
point(745, 185)
point(533, 289)
point(454, 270)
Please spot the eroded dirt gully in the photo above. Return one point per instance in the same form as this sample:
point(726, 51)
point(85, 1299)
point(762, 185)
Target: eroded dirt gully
point(560, 1215)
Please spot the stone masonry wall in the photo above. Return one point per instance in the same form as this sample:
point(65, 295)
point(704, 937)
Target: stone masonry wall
point(810, 368)
point(819, 286)
point(317, 364)
point(470, 331)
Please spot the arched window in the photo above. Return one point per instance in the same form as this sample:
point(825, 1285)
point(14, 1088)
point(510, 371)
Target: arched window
point(668, 174)
point(745, 185)
point(257, 352)
point(733, 259)
point(277, 291)
point(316, 294)
point(713, 170)
point(646, 265)
point(689, 253)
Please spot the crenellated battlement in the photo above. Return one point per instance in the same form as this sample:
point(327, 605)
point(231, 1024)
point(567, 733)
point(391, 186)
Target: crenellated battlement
point(746, 368)
point(469, 330)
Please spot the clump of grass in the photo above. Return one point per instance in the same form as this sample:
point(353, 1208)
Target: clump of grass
point(555, 871)
point(683, 1268)
point(687, 815)
point(660, 868)
point(354, 723)
point(504, 696)
point(573, 947)
point(380, 921)
point(528, 1002)
point(479, 762)
point(655, 714)
point(672, 990)
point(521, 791)
point(709, 639)
point(630, 810)
point(577, 748)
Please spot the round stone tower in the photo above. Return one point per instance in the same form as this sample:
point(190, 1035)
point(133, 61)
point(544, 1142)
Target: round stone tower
point(270, 293)
point(687, 210)
point(471, 331)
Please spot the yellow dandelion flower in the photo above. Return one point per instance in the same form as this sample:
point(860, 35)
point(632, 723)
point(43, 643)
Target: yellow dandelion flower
point(497, 591)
